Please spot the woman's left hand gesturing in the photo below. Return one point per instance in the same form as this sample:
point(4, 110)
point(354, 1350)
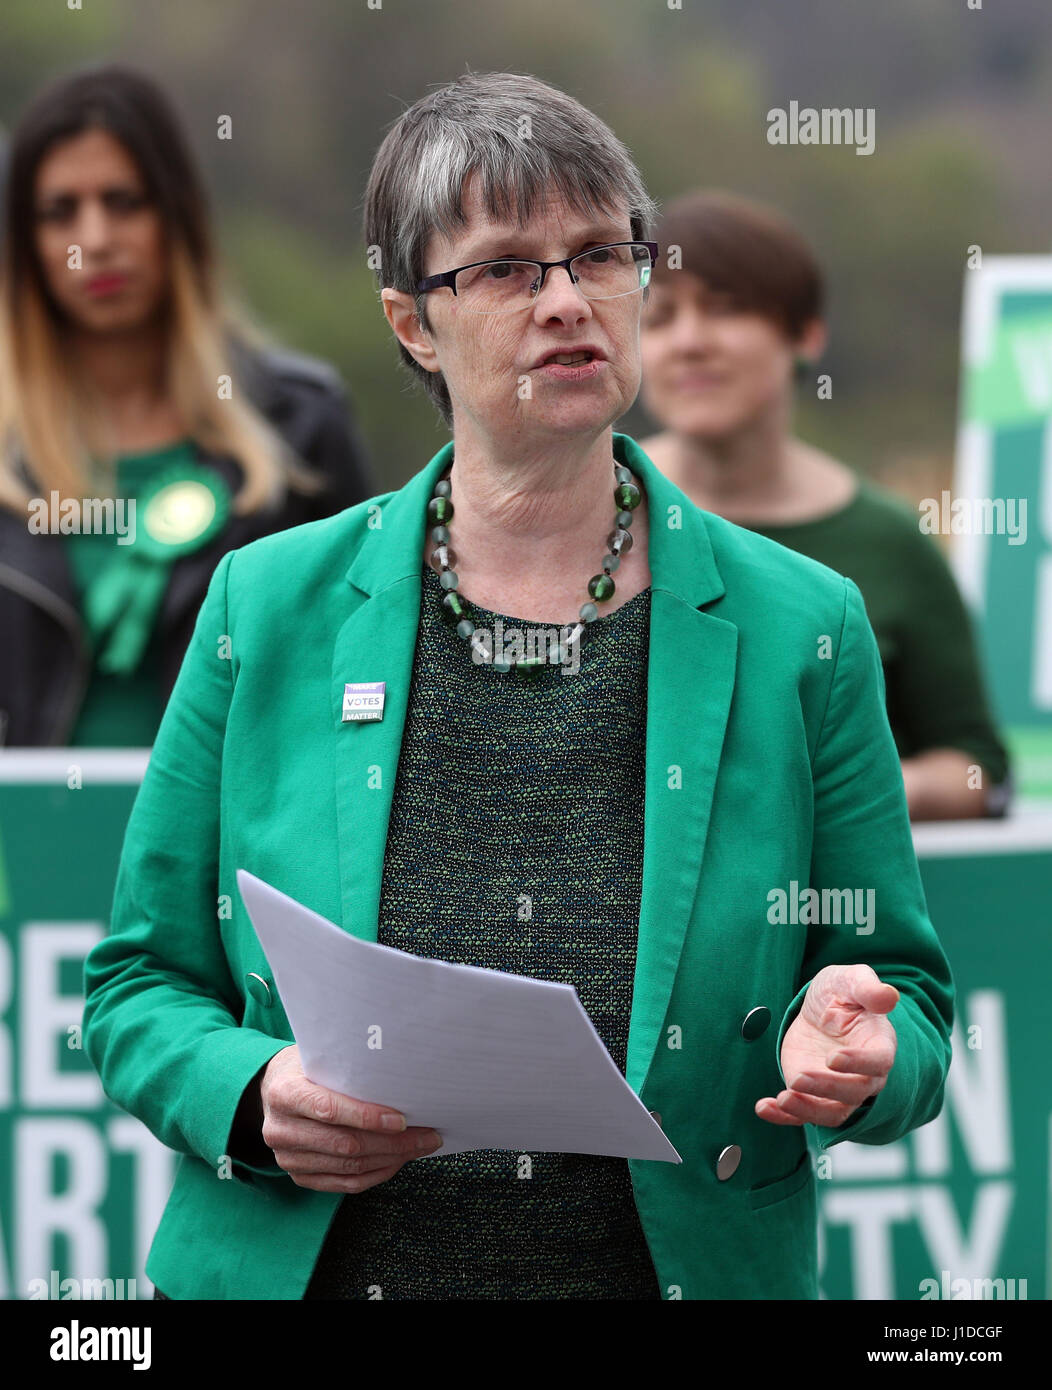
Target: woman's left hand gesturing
point(838, 1050)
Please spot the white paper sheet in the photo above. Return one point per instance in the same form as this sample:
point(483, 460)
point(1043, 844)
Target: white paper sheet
point(488, 1059)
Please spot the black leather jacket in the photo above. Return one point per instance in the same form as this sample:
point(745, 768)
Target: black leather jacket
point(45, 659)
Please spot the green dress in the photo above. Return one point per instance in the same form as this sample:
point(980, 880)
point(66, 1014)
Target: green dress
point(122, 710)
point(935, 692)
point(515, 843)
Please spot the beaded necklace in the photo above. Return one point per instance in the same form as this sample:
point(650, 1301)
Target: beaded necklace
point(455, 608)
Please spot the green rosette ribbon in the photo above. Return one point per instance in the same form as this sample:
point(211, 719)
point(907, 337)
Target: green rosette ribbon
point(180, 510)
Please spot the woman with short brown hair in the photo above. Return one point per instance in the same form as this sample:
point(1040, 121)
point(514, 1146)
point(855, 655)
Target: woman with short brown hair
point(736, 312)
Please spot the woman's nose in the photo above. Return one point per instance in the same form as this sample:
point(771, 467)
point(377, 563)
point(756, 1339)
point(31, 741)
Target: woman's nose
point(94, 226)
point(693, 332)
point(559, 295)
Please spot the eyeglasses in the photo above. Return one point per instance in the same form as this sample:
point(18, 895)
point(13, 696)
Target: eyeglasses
point(504, 287)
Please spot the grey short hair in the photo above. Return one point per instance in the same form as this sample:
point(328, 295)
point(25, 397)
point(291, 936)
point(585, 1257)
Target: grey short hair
point(520, 136)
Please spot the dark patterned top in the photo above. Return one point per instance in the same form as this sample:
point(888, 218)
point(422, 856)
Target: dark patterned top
point(515, 843)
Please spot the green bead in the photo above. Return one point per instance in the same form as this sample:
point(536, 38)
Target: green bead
point(440, 511)
point(627, 496)
point(610, 563)
point(601, 587)
point(588, 613)
point(452, 603)
point(501, 664)
point(465, 628)
point(529, 666)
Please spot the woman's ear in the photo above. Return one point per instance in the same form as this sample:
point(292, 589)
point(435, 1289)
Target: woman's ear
point(401, 313)
point(812, 341)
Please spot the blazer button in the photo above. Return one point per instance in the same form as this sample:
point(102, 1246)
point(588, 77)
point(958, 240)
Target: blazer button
point(727, 1163)
point(656, 1117)
point(755, 1023)
point(259, 989)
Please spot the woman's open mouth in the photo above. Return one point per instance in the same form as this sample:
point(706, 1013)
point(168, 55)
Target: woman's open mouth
point(583, 365)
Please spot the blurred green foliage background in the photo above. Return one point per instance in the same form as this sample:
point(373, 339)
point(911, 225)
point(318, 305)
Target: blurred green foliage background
point(963, 101)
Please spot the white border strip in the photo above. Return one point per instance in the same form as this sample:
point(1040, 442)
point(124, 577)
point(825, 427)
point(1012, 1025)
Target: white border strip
point(1029, 831)
point(53, 764)
point(981, 301)
point(973, 462)
point(973, 474)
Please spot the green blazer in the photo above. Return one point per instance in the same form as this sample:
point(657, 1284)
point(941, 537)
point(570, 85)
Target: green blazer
point(769, 766)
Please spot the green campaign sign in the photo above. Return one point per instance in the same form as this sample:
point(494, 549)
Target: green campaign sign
point(1013, 385)
point(82, 1184)
point(1004, 456)
point(960, 1207)
point(961, 1203)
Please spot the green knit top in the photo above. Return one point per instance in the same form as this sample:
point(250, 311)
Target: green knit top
point(936, 693)
point(515, 843)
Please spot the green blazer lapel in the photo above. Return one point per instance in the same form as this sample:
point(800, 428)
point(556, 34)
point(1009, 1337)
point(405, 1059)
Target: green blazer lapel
point(691, 671)
point(690, 682)
point(377, 643)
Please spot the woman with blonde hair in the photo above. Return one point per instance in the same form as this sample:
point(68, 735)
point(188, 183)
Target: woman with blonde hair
point(145, 429)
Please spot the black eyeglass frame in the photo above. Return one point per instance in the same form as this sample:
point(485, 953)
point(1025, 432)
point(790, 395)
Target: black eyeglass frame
point(449, 277)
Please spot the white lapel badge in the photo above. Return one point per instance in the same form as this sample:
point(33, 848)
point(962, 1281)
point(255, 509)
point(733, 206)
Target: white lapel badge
point(363, 700)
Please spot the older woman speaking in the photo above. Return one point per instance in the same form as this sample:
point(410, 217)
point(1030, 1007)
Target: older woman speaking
point(622, 744)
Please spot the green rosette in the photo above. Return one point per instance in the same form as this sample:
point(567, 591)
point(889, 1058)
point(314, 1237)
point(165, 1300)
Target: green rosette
point(180, 510)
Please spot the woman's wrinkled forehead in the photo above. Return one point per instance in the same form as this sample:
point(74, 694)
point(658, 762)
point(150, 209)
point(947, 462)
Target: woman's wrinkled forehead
point(492, 223)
